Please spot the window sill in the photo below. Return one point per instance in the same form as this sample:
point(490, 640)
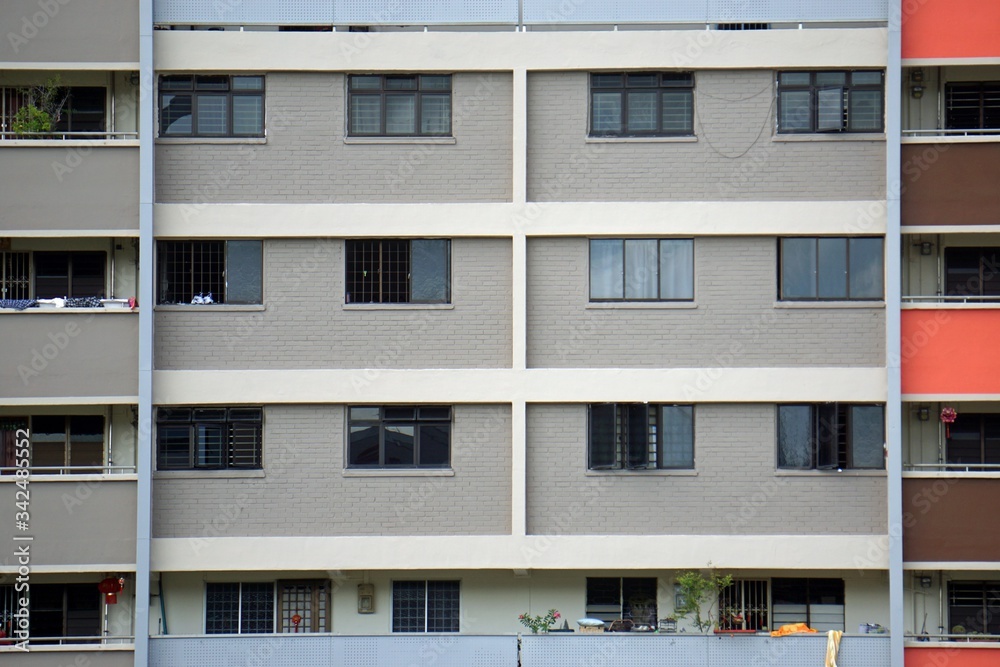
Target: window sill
point(211, 140)
point(231, 308)
point(641, 305)
point(641, 473)
point(642, 140)
point(879, 305)
point(444, 141)
point(832, 136)
point(829, 473)
point(209, 474)
point(401, 472)
point(399, 306)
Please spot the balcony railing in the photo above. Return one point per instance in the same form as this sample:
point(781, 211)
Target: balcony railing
point(941, 298)
point(519, 13)
point(939, 132)
point(69, 136)
point(535, 650)
point(952, 467)
point(74, 470)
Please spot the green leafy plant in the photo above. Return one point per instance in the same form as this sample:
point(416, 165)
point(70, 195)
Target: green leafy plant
point(695, 589)
point(42, 108)
point(539, 623)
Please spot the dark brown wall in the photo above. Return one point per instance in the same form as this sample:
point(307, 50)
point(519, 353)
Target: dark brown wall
point(951, 184)
point(951, 519)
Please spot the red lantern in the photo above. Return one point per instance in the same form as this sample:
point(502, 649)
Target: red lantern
point(111, 587)
point(296, 619)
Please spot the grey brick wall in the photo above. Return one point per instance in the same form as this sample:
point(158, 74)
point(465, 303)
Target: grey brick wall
point(305, 493)
point(735, 491)
point(305, 324)
point(735, 322)
point(734, 157)
point(305, 158)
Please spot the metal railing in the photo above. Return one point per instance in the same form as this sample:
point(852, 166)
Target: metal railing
point(513, 13)
point(942, 298)
point(81, 641)
point(913, 637)
point(941, 132)
point(73, 470)
point(952, 467)
point(69, 136)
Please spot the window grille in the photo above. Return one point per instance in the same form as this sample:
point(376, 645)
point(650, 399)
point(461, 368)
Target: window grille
point(15, 278)
point(743, 605)
point(309, 600)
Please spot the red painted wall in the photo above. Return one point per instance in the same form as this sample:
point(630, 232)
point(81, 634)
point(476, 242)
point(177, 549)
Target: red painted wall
point(950, 28)
point(952, 657)
point(951, 352)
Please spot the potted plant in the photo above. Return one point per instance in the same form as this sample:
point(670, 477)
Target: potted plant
point(694, 590)
point(539, 624)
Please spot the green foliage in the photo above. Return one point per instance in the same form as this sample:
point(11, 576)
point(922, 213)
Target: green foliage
point(42, 108)
point(695, 590)
point(31, 119)
point(539, 623)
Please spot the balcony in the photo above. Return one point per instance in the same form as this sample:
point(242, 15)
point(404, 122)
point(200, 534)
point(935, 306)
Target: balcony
point(536, 650)
point(77, 521)
point(57, 353)
point(63, 32)
point(71, 654)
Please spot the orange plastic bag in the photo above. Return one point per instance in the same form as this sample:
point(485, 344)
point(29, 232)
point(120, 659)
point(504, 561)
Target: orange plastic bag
point(791, 629)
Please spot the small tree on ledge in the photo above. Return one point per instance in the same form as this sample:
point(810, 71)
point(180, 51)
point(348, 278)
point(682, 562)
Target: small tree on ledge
point(695, 589)
point(42, 108)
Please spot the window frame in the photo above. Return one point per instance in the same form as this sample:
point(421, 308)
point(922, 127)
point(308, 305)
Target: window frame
point(666, 82)
point(195, 93)
point(192, 252)
point(987, 270)
point(72, 259)
point(841, 446)
point(807, 587)
point(67, 616)
point(197, 424)
point(395, 622)
point(747, 606)
point(661, 270)
point(382, 423)
point(67, 444)
point(816, 90)
point(239, 608)
point(625, 610)
point(983, 90)
point(817, 271)
point(319, 613)
point(988, 593)
point(984, 431)
point(638, 457)
point(384, 92)
point(388, 276)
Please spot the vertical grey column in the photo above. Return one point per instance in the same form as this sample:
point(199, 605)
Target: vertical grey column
point(144, 492)
point(894, 439)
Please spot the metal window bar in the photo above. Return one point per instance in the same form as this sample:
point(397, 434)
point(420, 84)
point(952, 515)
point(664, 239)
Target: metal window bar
point(308, 600)
point(378, 271)
point(189, 269)
point(744, 605)
point(15, 275)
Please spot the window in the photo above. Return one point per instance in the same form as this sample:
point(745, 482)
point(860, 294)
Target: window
point(830, 436)
point(223, 271)
point(639, 436)
point(239, 608)
point(743, 605)
point(972, 272)
point(425, 606)
point(211, 106)
point(972, 106)
point(63, 610)
point(307, 600)
point(629, 598)
point(830, 101)
point(15, 277)
point(636, 104)
point(831, 269)
point(399, 437)
point(398, 271)
point(819, 603)
point(399, 105)
point(972, 605)
point(69, 274)
point(974, 438)
point(60, 440)
point(641, 269)
point(209, 438)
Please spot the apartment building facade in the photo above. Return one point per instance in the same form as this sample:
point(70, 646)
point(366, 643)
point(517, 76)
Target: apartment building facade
point(451, 314)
